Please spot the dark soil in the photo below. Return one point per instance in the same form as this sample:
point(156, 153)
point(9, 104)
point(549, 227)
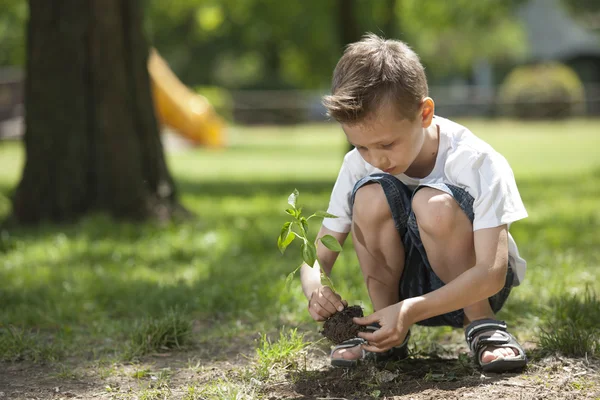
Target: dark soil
point(340, 327)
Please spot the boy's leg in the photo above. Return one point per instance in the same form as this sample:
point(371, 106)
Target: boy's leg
point(447, 236)
point(378, 247)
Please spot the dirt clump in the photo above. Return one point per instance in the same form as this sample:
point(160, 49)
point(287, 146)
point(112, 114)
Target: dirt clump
point(340, 327)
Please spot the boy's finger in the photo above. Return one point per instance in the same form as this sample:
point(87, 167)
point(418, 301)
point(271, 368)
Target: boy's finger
point(378, 337)
point(327, 305)
point(373, 349)
point(319, 310)
point(345, 303)
point(335, 301)
point(314, 315)
point(369, 319)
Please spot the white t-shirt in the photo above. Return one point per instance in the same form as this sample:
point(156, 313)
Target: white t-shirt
point(463, 160)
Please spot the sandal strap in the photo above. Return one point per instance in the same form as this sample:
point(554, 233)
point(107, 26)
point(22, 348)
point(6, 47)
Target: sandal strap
point(357, 341)
point(489, 332)
point(474, 331)
point(347, 344)
point(375, 326)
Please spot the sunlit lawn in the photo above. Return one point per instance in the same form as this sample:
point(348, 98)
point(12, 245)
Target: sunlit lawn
point(89, 289)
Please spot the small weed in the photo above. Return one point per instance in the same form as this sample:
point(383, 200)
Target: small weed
point(106, 368)
point(281, 354)
point(154, 394)
point(162, 378)
point(66, 372)
point(222, 390)
point(156, 334)
point(141, 373)
point(582, 384)
point(17, 344)
point(194, 365)
point(192, 393)
point(572, 327)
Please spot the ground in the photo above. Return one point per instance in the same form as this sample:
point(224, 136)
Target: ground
point(201, 310)
point(223, 373)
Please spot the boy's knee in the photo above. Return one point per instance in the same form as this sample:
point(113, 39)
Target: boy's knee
point(370, 204)
point(435, 210)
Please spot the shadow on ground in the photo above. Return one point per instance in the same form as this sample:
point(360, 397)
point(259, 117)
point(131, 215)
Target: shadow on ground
point(414, 376)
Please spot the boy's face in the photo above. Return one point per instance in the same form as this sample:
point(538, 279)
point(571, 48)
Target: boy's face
point(388, 142)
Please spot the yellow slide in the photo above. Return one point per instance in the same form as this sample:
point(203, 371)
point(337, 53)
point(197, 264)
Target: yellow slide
point(189, 113)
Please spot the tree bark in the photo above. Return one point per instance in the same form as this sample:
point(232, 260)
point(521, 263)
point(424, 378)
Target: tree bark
point(91, 140)
point(348, 23)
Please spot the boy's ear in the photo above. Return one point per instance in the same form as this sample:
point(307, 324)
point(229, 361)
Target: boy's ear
point(427, 111)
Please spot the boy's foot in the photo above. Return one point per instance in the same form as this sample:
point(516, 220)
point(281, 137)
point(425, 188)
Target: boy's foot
point(350, 352)
point(494, 349)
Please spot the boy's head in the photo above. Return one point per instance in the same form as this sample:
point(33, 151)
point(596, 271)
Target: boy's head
point(373, 73)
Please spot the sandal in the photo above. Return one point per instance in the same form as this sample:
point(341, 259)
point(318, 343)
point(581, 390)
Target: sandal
point(395, 353)
point(484, 333)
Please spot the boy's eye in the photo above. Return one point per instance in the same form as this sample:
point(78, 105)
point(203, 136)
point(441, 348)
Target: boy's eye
point(387, 146)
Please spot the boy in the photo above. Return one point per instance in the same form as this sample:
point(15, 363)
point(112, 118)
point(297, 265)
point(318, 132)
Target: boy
point(429, 206)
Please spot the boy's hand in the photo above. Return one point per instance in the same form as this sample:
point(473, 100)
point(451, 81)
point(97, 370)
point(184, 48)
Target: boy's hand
point(324, 302)
point(394, 327)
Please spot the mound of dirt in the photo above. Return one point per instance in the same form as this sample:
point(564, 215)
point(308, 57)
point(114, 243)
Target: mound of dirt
point(340, 327)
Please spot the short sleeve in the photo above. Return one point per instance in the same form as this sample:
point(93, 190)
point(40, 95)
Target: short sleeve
point(491, 182)
point(339, 203)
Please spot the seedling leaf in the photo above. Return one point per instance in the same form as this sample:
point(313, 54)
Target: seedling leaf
point(324, 214)
point(293, 197)
point(285, 237)
point(309, 253)
point(304, 223)
point(289, 279)
point(331, 243)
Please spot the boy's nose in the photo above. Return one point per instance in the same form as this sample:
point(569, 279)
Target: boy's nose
point(382, 163)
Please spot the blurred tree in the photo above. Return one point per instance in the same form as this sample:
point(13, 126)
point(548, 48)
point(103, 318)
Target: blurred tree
point(451, 36)
point(12, 33)
point(91, 137)
point(583, 6)
point(270, 44)
point(585, 11)
point(348, 22)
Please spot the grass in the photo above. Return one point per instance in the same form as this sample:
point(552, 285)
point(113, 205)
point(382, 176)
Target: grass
point(572, 326)
point(281, 354)
point(102, 290)
point(159, 334)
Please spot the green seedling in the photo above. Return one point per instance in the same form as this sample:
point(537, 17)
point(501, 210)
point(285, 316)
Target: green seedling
point(298, 228)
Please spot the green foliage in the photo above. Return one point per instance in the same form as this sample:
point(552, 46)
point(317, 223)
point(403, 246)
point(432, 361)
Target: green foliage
point(540, 91)
point(585, 10)
point(308, 247)
point(282, 354)
point(219, 98)
point(269, 44)
point(159, 334)
point(98, 275)
point(13, 15)
point(451, 36)
point(17, 344)
point(571, 327)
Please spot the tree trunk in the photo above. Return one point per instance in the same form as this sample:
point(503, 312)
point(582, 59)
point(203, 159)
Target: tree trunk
point(390, 22)
point(348, 23)
point(92, 142)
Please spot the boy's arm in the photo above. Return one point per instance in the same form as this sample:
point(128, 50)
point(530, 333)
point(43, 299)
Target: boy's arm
point(322, 301)
point(311, 277)
point(485, 279)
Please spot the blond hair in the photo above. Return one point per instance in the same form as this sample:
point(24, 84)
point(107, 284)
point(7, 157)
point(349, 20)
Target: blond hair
point(371, 73)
